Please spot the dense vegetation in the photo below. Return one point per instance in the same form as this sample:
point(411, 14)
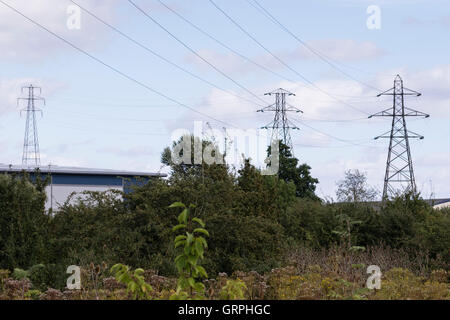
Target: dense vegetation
point(272, 233)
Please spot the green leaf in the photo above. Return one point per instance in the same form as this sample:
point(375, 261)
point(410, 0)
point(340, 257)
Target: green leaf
point(178, 227)
point(180, 263)
point(199, 221)
point(199, 247)
point(203, 241)
point(139, 272)
point(132, 286)
point(202, 271)
point(190, 238)
point(182, 218)
point(177, 205)
point(201, 230)
point(199, 287)
point(192, 260)
point(180, 237)
point(180, 243)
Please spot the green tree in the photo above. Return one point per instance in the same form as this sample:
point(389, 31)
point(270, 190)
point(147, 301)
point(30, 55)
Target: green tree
point(300, 175)
point(23, 221)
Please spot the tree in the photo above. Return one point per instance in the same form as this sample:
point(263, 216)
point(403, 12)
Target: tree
point(23, 221)
point(354, 188)
point(290, 171)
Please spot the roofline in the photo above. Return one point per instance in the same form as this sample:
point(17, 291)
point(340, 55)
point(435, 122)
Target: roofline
point(75, 171)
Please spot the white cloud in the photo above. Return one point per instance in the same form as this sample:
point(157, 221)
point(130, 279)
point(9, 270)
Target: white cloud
point(227, 62)
point(134, 151)
point(22, 40)
point(336, 49)
point(339, 49)
point(61, 161)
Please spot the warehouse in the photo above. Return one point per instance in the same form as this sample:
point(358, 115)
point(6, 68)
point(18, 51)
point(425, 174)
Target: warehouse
point(66, 180)
point(440, 203)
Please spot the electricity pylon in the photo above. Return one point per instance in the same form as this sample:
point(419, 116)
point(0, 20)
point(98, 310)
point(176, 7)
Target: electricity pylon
point(281, 125)
point(30, 154)
point(399, 165)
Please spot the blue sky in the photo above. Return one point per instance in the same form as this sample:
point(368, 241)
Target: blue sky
point(96, 118)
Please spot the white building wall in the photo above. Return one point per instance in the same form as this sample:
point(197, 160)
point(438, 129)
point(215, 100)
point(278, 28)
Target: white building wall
point(58, 194)
point(442, 205)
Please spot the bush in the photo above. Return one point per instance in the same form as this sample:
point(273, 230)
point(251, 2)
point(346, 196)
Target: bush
point(23, 222)
point(402, 284)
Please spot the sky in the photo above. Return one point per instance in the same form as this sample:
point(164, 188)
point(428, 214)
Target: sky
point(117, 103)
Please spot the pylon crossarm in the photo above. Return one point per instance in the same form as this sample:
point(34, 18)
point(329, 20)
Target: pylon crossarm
point(384, 135)
point(387, 135)
point(415, 113)
point(272, 107)
point(384, 113)
point(411, 92)
point(401, 137)
point(387, 92)
point(292, 108)
point(280, 91)
point(414, 135)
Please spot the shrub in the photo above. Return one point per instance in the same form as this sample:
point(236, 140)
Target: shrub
point(402, 284)
point(233, 290)
point(193, 245)
point(23, 221)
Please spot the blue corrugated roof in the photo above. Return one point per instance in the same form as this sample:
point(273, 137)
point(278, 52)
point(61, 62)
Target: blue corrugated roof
point(436, 202)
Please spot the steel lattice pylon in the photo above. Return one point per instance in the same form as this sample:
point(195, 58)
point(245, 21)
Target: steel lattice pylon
point(281, 125)
point(31, 141)
point(399, 166)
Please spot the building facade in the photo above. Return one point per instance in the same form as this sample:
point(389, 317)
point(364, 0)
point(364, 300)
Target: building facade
point(66, 180)
point(441, 203)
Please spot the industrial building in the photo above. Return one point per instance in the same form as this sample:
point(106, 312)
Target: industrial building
point(66, 180)
point(440, 203)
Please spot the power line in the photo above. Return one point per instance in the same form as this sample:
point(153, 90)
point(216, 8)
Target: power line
point(322, 56)
point(223, 44)
point(108, 131)
point(102, 117)
point(330, 136)
point(157, 54)
point(334, 120)
point(195, 52)
point(111, 67)
point(280, 60)
point(328, 147)
point(265, 12)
